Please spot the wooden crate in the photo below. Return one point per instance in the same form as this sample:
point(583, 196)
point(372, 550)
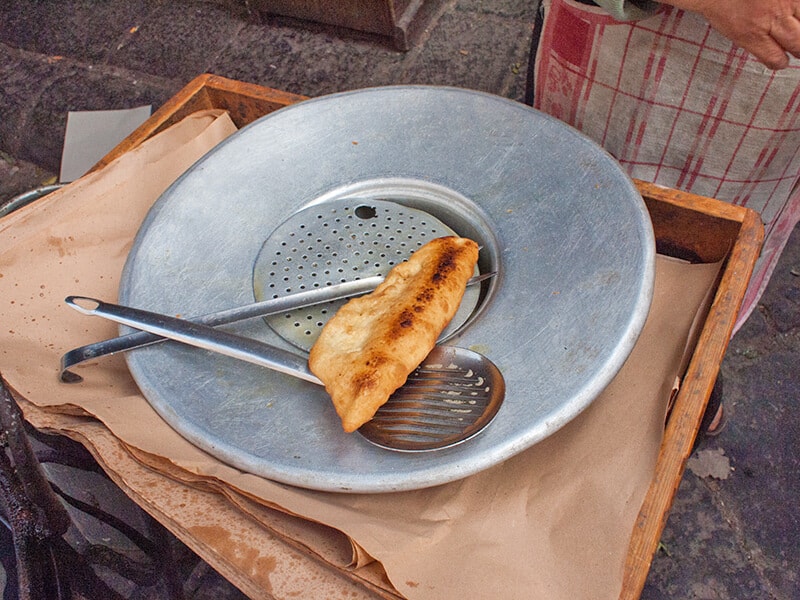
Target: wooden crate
point(685, 225)
point(397, 23)
point(400, 22)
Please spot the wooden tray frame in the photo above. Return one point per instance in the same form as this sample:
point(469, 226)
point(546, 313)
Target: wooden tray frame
point(684, 224)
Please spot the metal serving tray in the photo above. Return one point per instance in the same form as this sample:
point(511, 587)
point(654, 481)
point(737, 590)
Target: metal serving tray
point(558, 220)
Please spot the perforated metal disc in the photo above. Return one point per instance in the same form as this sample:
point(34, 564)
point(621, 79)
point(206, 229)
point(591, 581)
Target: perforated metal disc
point(338, 241)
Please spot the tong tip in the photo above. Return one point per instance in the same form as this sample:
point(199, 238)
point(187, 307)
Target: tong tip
point(83, 304)
point(70, 377)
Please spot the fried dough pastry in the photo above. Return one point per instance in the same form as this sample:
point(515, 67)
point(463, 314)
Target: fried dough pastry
point(370, 346)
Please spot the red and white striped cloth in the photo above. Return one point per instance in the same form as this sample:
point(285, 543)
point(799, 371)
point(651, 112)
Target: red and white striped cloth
point(679, 105)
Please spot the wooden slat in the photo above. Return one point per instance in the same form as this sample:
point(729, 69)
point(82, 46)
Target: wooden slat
point(714, 221)
point(244, 101)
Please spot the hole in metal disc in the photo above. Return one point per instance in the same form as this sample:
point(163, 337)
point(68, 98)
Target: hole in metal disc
point(366, 212)
point(337, 237)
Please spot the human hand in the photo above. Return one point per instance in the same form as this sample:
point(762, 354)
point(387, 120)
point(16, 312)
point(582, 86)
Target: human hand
point(768, 29)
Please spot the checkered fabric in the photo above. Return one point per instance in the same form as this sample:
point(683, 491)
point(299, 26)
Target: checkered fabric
point(679, 105)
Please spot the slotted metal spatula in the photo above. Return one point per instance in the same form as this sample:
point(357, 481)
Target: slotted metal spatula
point(448, 399)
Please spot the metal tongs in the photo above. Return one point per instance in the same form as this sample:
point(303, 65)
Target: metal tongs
point(448, 399)
point(264, 308)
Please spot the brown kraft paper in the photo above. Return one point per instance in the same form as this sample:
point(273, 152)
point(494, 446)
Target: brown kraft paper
point(552, 522)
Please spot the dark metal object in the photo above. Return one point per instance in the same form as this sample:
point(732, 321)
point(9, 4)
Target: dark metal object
point(54, 559)
point(27, 197)
point(32, 512)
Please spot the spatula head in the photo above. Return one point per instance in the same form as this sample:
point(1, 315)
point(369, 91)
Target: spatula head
point(452, 396)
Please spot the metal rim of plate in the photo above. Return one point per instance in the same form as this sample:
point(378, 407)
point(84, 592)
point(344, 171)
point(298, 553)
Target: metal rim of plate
point(561, 224)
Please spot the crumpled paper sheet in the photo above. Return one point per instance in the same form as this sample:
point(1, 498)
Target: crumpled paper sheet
point(552, 522)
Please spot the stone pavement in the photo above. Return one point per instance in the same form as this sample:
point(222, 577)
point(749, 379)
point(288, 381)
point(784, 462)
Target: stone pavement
point(734, 531)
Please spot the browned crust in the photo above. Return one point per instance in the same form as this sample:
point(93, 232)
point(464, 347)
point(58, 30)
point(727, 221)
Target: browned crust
point(366, 351)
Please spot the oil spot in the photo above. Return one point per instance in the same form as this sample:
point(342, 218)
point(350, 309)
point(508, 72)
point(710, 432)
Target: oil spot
point(59, 245)
point(266, 564)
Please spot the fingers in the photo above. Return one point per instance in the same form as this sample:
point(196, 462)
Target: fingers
point(786, 33)
point(771, 54)
point(767, 51)
point(768, 29)
point(773, 45)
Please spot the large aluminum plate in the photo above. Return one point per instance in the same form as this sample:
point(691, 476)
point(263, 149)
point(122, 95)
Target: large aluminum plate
point(564, 227)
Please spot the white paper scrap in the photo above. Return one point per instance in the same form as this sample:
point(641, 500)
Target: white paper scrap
point(90, 135)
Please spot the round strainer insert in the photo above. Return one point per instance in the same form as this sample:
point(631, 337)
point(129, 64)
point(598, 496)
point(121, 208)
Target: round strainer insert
point(337, 241)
